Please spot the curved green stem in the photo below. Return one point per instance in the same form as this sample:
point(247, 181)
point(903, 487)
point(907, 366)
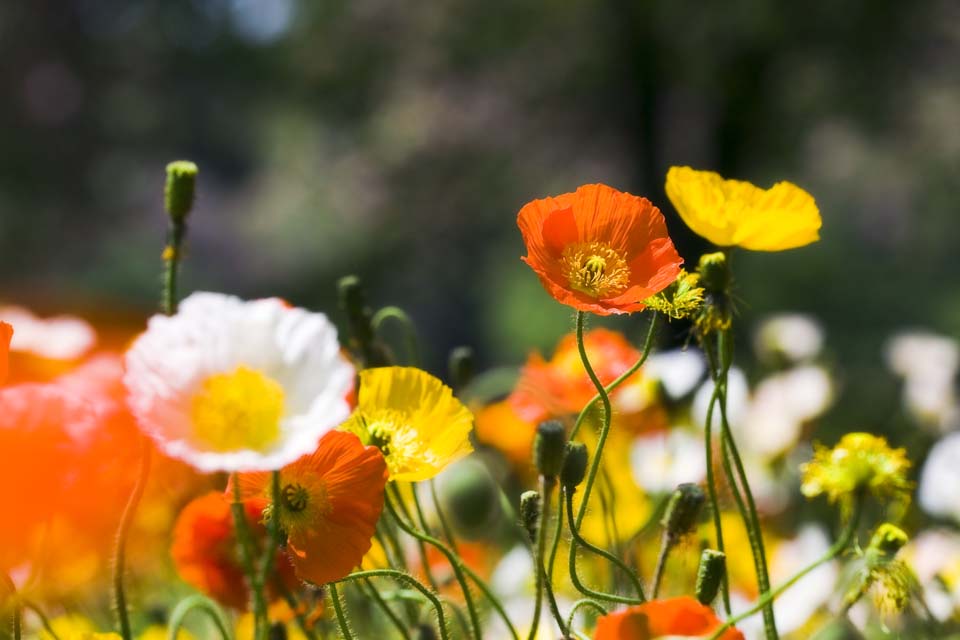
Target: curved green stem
point(846, 537)
point(200, 603)
point(578, 540)
point(421, 547)
point(493, 600)
point(273, 532)
point(579, 604)
point(454, 561)
point(647, 346)
point(409, 330)
point(405, 579)
point(391, 614)
point(546, 490)
point(341, 615)
point(712, 493)
point(120, 550)
point(444, 525)
point(751, 518)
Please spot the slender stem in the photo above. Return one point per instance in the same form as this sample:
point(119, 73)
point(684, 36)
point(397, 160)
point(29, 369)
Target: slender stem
point(424, 559)
point(338, 609)
point(454, 561)
point(407, 579)
point(245, 547)
point(409, 330)
point(712, 493)
point(200, 603)
point(444, 525)
point(273, 531)
point(766, 599)
point(577, 540)
point(391, 614)
point(295, 608)
point(557, 534)
point(665, 546)
point(171, 266)
point(647, 346)
point(752, 519)
point(492, 599)
point(120, 549)
point(16, 615)
point(546, 489)
point(579, 604)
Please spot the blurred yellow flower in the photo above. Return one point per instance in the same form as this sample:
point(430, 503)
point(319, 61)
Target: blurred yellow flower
point(858, 461)
point(413, 418)
point(735, 213)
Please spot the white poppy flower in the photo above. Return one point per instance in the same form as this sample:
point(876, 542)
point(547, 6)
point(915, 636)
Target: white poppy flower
point(228, 385)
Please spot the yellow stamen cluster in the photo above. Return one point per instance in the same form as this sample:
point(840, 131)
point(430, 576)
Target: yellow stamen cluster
point(682, 299)
point(860, 461)
point(595, 268)
point(304, 503)
point(237, 410)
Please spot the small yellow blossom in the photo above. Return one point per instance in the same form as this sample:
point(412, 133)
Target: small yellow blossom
point(735, 213)
point(413, 418)
point(682, 299)
point(858, 461)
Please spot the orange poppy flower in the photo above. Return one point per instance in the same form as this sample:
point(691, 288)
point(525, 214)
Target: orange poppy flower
point(599, 249)
point(330, 503)
point(674, 617)
point(6, 333)
point(204, 548)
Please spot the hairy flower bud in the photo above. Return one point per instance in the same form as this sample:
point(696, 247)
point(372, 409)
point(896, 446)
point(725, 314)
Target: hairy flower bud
point(714, 272)
point(549, 447)
point(713, 566)
point(461, 365)
point(574, 465)
point(683, 510)
point(180, 189)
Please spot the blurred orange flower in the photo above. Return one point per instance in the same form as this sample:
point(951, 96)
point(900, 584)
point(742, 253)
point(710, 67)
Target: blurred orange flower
point(6, 333)
point(674, 617)
point(599, 249)
point(330, 503)
point(204, 548)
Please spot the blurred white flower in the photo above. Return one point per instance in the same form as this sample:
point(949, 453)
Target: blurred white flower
point(795, 336)
point(660, 461)
point(934, 555)
point(940, 479)
point(780, 406)
point(678, 370)
point(801, 601)
point(928, 363)
point(56, 338)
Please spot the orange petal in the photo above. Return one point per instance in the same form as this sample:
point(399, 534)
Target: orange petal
point(682, 616)
point(6, 333)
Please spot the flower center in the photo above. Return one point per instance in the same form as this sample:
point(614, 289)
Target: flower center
point(237, 410)
point(595, 268)
point(304, 503)
point(295, 497)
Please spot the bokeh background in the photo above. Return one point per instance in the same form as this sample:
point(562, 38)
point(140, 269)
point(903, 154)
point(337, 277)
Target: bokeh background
point(397, 141)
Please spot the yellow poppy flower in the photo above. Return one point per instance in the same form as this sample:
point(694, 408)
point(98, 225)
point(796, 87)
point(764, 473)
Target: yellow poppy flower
point(735, 213)
point(413, 418)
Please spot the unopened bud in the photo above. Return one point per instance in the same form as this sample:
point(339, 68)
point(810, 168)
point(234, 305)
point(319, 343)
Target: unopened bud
point(549, 448)
point(530, 513)
point(469, 495)
point(180, 189)
point(713, 566)
point(683, 510)
point(574, 465)
point(714, 272)
point(351, 296)
point(461, 366)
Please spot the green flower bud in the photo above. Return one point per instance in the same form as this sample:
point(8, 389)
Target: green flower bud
point(714, 272)
point(713, 566)
point(351, 296)
point(549, 448)
point(469, 495)
point(461, 365)
point(530, 513)
point(683, 510)
point(574, 465)
point(180, 189)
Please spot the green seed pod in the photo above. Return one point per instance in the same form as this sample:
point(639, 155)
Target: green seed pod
point(713, 566)
point(180, 189)
point(470, 497)
point(530, 513)
point(574, 465)
point(549, 447)
point(683, 510)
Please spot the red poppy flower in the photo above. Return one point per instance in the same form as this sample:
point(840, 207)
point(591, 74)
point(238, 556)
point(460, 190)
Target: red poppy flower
point(330, 503)
point(599, 249)
point(674, 617)
point(204, 548)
